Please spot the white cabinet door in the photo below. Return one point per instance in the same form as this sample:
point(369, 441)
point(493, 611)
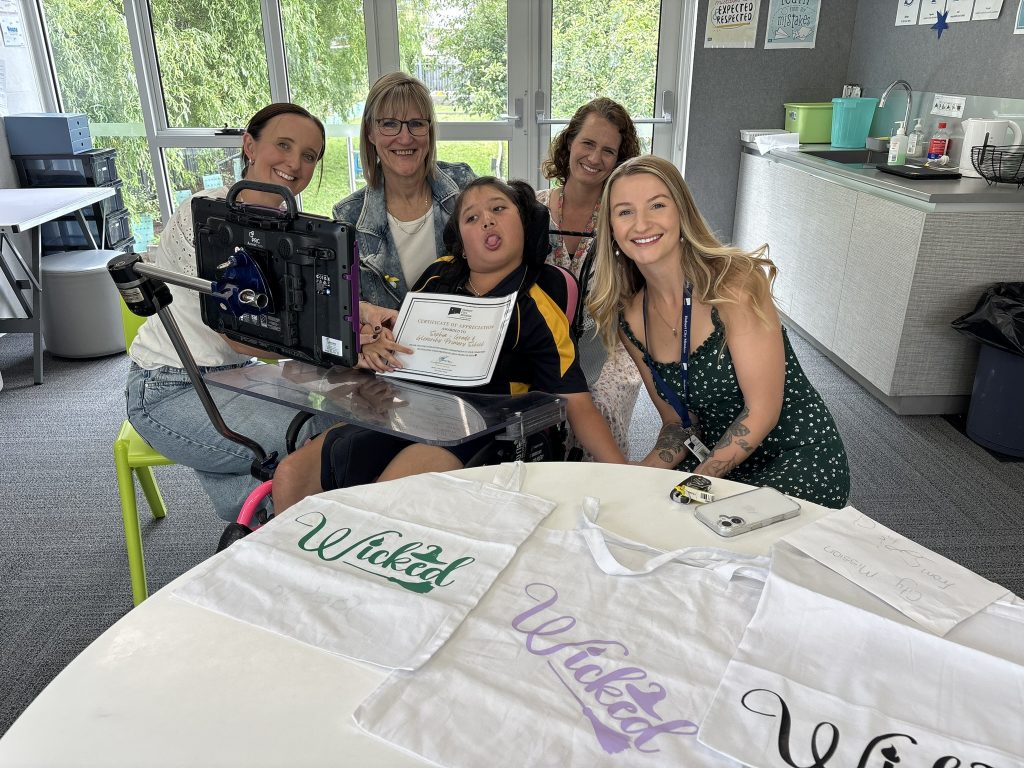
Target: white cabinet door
point(817, 217)
point(756, 221)
point(876, 290)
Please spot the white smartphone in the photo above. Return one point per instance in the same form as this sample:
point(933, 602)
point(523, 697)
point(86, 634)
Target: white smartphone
point(747, 511)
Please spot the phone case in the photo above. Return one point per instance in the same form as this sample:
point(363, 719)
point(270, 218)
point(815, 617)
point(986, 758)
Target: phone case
point(747, 511)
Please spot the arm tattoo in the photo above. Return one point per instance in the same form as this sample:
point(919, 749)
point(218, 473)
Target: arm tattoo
point(736, 434)
point(670, 442)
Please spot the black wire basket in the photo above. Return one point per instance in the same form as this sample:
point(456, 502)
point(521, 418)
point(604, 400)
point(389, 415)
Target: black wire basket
point(999, 164)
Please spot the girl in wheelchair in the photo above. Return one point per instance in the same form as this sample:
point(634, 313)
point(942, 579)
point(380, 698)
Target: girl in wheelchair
point(497, 239)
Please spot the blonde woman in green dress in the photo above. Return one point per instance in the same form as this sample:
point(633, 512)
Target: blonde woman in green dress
point(699, 322)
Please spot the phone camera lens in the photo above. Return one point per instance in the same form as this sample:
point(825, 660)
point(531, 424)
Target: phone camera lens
point(736, 520)
point(725, 523)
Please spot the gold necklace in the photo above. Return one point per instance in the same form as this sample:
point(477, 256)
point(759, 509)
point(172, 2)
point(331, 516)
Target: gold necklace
point(416, 224)
point(675, 330)
point(469, 282)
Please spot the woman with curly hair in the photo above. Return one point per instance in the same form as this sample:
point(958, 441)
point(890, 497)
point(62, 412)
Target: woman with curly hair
point(600, 137)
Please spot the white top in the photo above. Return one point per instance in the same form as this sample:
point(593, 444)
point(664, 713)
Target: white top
point(414, 241)
point(172, 684)
point(152, 347)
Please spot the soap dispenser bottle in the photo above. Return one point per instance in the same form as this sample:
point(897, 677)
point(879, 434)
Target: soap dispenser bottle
point(916, 142)
point(898, 146)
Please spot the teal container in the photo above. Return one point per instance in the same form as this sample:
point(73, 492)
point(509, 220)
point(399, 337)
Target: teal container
point(851, 122)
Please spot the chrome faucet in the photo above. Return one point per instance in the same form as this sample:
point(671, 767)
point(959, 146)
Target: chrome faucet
point(910, 98)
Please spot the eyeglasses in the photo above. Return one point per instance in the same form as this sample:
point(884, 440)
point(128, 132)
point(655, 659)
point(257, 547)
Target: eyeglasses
point(390, 126)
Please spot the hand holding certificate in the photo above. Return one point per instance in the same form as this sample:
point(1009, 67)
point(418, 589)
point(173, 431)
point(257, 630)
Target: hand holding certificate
point(455, 340)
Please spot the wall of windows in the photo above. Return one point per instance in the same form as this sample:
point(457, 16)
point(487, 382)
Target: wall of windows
point(169, 83)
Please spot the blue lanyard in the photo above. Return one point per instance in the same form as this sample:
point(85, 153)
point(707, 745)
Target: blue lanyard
point(680, 406)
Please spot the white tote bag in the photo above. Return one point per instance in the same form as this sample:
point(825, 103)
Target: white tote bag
point(380, 573)
point(563, 665)
point(829, 676)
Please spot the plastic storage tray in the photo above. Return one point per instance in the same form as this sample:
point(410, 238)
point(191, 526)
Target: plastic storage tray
point(47, 133)
point(67, 235)
point(812, 120)
point(93, 168)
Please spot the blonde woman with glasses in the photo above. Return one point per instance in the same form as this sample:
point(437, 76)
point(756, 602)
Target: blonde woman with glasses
point(400, 214)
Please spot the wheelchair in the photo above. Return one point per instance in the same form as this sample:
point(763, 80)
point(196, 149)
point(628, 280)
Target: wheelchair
point(284, 281)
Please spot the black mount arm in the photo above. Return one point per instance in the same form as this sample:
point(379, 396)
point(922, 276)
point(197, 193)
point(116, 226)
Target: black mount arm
point(144, 289)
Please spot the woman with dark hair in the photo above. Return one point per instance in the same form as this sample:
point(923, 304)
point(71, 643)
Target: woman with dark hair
point(497, 242)
point(599, 138)
point(399, 216)
point(699, 322)
point(282, 145)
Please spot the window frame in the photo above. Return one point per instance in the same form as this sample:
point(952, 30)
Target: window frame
point(527, 124)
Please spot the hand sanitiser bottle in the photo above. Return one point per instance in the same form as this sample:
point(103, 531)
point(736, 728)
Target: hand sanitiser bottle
point(916, 142)
point(898, 146)
point(939, 145)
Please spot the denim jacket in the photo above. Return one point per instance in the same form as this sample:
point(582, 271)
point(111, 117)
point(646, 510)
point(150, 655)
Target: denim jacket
point(381, 280)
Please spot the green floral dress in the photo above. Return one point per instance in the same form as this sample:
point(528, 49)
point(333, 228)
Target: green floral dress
point(803, 456)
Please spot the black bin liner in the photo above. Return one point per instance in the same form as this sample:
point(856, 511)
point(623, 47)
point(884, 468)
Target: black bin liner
point(998, 318)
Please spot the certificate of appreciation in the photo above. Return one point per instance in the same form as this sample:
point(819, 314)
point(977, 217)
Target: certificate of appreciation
point(456, 338)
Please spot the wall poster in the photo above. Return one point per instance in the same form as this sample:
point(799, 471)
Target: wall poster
point(1018, 28)
point(986, 9)
point(959, 10)
point(12, 30)
point(907, 12)
point(930, 10)
point(732, 24)
point(792, 23)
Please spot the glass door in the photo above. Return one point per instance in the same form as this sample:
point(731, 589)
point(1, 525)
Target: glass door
point(460, 50)
point(627, 50)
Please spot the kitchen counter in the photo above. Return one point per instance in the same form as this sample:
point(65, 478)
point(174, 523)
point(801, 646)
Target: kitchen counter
point(932, 195)
point(874, 267)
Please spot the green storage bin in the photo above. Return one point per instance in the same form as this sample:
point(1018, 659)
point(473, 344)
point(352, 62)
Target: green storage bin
point(812, 120)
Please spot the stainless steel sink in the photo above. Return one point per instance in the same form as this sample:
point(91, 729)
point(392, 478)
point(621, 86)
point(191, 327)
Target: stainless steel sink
point(849, 156)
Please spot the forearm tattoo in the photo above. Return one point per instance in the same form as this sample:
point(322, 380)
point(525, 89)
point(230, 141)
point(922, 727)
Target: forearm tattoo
point(670, 445)
point(737, 434)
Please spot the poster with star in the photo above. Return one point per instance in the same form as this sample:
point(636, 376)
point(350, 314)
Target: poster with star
point(792, 23)
point(930, 10)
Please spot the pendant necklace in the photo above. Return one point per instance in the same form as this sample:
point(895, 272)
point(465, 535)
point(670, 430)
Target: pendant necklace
point(675, 329)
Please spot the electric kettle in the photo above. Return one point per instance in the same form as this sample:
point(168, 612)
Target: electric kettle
point(975, 130)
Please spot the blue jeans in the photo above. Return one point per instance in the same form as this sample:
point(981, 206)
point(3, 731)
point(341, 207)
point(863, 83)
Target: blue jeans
point(165, 409)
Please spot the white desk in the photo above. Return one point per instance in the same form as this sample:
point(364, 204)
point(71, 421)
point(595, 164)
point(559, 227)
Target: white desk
point(172, 684)
point(23, 210)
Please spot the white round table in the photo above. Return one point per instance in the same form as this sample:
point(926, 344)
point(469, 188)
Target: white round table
point(172, 684)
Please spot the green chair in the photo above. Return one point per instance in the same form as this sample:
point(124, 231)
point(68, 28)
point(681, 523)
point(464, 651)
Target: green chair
point(134, 458)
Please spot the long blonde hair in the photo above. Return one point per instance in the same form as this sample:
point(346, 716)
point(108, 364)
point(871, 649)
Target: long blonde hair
point(720, 274)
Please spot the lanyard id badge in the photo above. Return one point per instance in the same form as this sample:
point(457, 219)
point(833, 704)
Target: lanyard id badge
point(692, 441)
